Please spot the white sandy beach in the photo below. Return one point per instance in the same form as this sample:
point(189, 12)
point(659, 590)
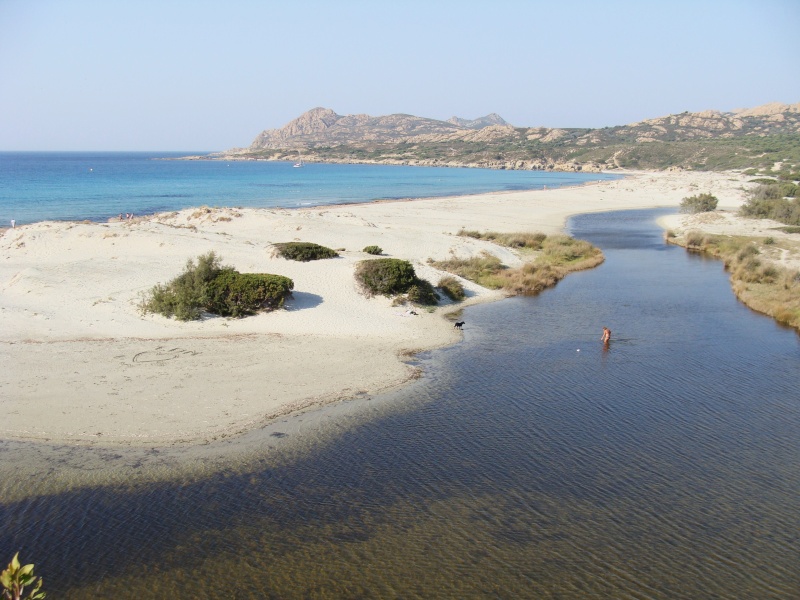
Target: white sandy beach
point(81, 364)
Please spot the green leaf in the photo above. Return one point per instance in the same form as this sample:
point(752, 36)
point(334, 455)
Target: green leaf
point(5, 579)
point(27, 569)
point(15, 562)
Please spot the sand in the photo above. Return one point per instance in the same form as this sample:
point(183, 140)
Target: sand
point(82, 365)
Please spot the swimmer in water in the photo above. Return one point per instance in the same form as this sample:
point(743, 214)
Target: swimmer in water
point(606, 335)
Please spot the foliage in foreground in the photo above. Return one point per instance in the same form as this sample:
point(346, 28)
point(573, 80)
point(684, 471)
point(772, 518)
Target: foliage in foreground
point(558, 256)
point(304, 251)
point(15, 578)
point(208, 286)
point(762, 285)
point(698, 204)
point(394, 277)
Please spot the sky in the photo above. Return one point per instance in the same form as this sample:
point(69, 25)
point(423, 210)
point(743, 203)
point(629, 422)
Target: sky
point(192, 75)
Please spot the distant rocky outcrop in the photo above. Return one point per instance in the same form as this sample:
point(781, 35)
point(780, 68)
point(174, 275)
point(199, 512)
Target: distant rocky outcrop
point(490, 119)
point(323, 127)
point(707, 139)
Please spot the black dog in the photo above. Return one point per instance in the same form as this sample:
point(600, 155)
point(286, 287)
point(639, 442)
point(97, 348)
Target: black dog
point(459, 324)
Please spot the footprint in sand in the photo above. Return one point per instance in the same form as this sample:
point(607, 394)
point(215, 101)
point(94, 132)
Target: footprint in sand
point(161, 354)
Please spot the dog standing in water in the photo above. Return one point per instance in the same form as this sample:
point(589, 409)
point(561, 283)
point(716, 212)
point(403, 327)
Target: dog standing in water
point(459, 324)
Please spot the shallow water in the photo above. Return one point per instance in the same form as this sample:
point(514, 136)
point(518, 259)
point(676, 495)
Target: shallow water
point(529, 461)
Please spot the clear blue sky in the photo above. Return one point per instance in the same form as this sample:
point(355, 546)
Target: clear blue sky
point(196, 75)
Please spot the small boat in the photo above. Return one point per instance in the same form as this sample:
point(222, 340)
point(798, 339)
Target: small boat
point(299, 163)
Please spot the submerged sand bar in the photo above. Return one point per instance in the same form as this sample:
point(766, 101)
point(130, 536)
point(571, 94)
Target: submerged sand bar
point(81, 364)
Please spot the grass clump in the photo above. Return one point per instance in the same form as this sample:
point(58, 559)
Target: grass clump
point(452, 288)
point(304, 251)
point(393, 277)
point(376, 250)
point(482, 269)
point(208, 286)
point(698, 204)
point(531, 241)
point(558, 256)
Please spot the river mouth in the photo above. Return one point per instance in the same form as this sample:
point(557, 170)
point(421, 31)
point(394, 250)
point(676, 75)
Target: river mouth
point(530, 460)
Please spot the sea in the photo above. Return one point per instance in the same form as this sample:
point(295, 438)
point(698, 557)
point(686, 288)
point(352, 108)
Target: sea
point(96, 186)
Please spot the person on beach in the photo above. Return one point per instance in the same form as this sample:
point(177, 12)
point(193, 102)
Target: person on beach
point(606, 337)
point(13, 223)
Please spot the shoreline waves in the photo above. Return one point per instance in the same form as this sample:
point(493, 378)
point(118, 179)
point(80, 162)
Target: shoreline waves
point(85, 367)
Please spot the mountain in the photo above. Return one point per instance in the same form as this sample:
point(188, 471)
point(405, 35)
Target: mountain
point(323, 127)
point(743, 138)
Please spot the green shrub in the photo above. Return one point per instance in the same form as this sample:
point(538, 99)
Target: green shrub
point(234, 294)
point(452, 288)
point(186, 296)
point(385, 276)
point(772, 201)
point(304, 251)
point(207, 286)
point(373, 250)
point(394, 277)
point(697, 204)
point(422, 292)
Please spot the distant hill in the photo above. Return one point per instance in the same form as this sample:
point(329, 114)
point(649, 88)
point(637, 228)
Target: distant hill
point(323, 127)
point(744, 138)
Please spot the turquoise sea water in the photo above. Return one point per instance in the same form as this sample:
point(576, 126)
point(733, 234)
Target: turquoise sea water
point(38, 186)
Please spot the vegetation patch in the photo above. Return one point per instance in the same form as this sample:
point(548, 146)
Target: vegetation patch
point(304, 251)
point(698, 204)
point(16, 577)
point(376, 250)
point(558, 256)
point(531, 241)
point(778, 200)
point(208, 286)
point(452, 288)
point(761, 284)
point(393, 277)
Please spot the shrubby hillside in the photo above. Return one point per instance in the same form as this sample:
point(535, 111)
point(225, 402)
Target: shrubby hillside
point(711, 140)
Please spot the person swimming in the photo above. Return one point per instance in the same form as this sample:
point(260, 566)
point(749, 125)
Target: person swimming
point(606, 337)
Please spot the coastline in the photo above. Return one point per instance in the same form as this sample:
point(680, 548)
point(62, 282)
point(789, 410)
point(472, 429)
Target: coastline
point(84, 367)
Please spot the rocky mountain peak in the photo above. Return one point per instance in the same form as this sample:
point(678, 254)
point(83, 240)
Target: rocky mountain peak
point(479, 123)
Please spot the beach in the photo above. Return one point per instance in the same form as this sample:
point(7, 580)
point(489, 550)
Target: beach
point(84, 366)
